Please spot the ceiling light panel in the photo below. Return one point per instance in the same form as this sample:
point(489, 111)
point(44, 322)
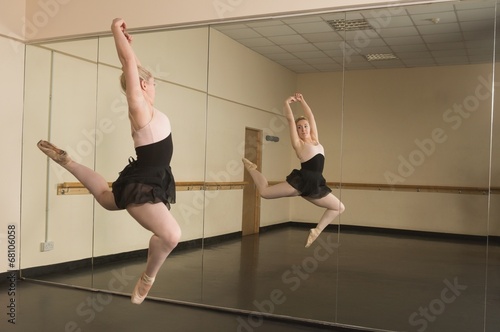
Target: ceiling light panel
point(380, 56)
point(350, 25)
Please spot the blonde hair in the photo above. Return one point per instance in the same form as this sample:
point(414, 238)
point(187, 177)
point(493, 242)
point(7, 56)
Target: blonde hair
point(300, 118)
point(144, 75)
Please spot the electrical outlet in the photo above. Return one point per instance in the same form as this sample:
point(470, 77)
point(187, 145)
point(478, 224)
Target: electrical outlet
point(47, 246)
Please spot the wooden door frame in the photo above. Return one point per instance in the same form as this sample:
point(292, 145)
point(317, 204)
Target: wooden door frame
point(252, 225)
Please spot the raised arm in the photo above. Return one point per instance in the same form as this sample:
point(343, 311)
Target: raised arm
point(309, 115)
point(294, 137)
point(129, 61)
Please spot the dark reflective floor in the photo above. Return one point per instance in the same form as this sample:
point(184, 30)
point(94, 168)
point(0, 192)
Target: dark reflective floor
point(397, 282)
point(380, 281)
point(44, 308)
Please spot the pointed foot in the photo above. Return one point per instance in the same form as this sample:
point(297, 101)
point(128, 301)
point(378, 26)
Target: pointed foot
point(249, 165)
point(54, 153)
point(141, 289)
point(313, 235)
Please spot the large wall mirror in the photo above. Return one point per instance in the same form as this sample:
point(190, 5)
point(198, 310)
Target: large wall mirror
point(403, 99)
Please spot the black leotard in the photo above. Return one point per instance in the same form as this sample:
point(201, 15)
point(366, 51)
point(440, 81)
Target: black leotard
point(309, 180)
point(148, 179)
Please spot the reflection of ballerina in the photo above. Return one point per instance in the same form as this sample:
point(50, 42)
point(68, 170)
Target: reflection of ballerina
point(307, 182)
point(146, 187)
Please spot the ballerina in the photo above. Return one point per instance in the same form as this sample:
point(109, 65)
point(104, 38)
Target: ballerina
point(146, 186)
point(307, 182)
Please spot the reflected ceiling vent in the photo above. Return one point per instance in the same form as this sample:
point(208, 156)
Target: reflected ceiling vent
point(380, 56)
point(350, 25)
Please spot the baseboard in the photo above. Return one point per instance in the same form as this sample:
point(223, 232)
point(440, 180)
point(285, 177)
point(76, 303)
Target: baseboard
point(213, 240)
point(34, 272)
point(354, 229)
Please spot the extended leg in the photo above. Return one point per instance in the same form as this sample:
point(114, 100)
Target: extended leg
point(92, 180)
point(333, 208)
point(265, 190)
point(166, 234)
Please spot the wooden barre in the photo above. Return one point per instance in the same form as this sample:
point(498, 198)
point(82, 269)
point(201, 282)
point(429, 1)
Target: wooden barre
point(76, 188)
point(410, 188)
point(413, 188)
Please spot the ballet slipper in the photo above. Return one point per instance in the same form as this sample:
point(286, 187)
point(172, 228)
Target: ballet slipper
point(249, 165)
point(143, 285)
point(54, 153)
point(313, 235)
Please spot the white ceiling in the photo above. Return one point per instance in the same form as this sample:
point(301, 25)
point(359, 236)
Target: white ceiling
point(419, 35)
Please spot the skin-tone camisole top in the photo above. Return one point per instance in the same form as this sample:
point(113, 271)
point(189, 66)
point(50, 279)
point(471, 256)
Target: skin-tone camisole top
point(153, 142)
point(156, 130)
point(310, 150)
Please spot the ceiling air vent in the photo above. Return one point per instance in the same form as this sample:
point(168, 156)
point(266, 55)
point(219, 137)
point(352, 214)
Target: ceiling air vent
point(349, 25)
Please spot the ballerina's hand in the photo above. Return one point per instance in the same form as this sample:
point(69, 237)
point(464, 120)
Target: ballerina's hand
point(129, 37)
point(299, 97)
point(120, 23)
point(125, 33)
point(291, 99)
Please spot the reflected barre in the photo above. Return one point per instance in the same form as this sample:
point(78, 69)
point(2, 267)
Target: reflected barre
point(410, 188)
point(77, 188)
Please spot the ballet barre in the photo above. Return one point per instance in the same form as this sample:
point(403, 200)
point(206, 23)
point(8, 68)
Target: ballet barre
point(77, 188)
point(410, 188)
point(225, 185)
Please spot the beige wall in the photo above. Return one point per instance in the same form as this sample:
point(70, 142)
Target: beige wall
point(11, 125)
point(11, 112)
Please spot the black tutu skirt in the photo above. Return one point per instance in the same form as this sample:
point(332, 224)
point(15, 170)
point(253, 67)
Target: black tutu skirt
point(144, 184)
point(309, 183)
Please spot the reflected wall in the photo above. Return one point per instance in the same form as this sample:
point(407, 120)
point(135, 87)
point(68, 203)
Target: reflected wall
point(407, 148)
point(417, 129)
